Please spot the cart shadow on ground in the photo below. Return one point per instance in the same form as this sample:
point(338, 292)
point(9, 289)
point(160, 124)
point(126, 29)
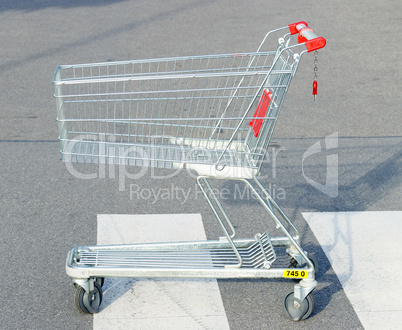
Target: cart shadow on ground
point(84, 40)
point(29, 5)
point(376, 184)
point(371, 184)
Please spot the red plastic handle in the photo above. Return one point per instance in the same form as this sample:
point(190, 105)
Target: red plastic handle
point(307, 36)
point(293, 27)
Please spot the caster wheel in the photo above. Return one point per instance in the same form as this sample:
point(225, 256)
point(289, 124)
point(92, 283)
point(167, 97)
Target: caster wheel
point(88, 303)
point(294, 264)
point(100, 281)
point(295, 309)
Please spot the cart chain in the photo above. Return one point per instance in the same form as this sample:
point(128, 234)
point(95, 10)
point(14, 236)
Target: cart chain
point(315, 74)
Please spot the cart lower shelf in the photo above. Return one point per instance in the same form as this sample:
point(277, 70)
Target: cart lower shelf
point(258, 254)
point(89, 265)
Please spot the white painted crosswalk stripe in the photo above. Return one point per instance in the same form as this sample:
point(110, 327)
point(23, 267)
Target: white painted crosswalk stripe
point(157, 303)
point(364, 251)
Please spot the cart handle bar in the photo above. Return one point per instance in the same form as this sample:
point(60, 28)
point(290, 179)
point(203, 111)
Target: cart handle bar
point(307, 36)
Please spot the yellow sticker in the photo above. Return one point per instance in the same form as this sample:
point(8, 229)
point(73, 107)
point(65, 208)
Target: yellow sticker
point(292, 273)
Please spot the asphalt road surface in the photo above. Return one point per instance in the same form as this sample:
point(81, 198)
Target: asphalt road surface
point(45, 210)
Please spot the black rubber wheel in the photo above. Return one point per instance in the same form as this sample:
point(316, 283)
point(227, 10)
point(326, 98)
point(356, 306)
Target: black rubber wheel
point(295, 309)
point(294, 264)
point(78, 299)
point(100, 281)
point(88, 303)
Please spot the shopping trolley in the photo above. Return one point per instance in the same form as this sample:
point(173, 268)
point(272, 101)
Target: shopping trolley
point(212, 114)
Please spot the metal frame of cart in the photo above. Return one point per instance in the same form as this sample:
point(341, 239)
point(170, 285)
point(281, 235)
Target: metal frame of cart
point(213, 114)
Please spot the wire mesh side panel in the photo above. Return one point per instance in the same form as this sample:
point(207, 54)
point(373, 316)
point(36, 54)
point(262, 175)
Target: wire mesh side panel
point(161, 112)
point(277, 84)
